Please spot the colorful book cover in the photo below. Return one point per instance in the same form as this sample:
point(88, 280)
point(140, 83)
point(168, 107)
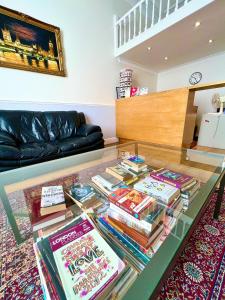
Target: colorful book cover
point(136, 159)
point(174, 178)
point(119, 193)
point(160, 190)
point(125, 241)
point(86, 263)
point(135, 203)
point(81, 192)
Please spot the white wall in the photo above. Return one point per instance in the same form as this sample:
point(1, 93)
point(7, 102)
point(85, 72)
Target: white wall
point(92, 70)
point(87, 31)
point(212, 69)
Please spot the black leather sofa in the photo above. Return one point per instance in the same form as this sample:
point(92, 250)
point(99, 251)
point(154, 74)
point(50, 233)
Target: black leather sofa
point(28, 137)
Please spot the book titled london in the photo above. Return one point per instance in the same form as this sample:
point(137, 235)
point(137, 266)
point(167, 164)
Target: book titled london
point(86, 263)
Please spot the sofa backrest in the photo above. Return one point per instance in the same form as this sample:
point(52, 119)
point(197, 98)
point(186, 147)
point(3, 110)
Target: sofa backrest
point(61, 124)
point(18, 126)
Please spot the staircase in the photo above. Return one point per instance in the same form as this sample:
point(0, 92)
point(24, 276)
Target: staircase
point(149, 17)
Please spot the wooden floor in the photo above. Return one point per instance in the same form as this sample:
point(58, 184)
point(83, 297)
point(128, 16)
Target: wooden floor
point(208, 149)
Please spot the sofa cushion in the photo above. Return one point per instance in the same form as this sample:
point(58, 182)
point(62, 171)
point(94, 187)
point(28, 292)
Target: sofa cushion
point(33, 127)
point(9, 152)
point(61, 124)
point(87, 129)
point(10, 124)
point(78, 142)
point(37, 150)
point(7, 139)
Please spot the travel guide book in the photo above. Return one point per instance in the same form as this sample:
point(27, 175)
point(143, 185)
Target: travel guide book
point(174, 178)
point(162, 191)
point(86, 263)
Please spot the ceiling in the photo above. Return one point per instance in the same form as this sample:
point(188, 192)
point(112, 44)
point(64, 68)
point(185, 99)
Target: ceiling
point(182, 42)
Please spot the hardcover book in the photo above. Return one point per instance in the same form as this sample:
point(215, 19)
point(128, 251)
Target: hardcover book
point(86, 263)
point(162, 191)
point(38, 221)
point(174, 178)
point(136, 203)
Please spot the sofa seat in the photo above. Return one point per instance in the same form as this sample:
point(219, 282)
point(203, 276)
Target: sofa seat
point(8, 152)
point(28, 137)
point(70, 144)
point(38, 150)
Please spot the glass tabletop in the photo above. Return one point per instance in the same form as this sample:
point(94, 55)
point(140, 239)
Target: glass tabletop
point(19, 188)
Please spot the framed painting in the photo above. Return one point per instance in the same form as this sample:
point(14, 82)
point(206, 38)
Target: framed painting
point(29, 44)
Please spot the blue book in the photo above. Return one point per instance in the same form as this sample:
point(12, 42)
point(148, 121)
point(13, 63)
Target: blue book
point(133, 248)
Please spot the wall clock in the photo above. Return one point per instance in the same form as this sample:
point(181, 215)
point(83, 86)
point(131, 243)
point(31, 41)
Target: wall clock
point(195, 78)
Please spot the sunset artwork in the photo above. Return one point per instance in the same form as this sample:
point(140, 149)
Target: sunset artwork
point(29, 44)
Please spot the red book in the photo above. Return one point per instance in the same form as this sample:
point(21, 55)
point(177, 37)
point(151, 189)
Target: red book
point(136, 204)
point(40, 222)
point(118, 194)
point(134, 91)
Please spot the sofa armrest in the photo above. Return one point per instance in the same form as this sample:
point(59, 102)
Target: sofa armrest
point(6, 139)
point(86, 129)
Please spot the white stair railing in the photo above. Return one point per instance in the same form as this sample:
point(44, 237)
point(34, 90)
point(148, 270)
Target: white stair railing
point(142, 17)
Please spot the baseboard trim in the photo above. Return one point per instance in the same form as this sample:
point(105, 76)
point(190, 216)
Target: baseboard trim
point(111, 140)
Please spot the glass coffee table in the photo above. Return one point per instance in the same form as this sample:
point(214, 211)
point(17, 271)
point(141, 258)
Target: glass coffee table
point(208, 168)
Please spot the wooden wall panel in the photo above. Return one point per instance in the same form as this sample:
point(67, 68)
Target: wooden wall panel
point(157, 117)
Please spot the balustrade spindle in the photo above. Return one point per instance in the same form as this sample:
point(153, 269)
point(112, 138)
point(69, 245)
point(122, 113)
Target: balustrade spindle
point(140, 10)
point(146, 14)
point(124, 31)
point(160, 10)
point(120, 33)
point(153, 12)
point(135, 20)
point(129, 31)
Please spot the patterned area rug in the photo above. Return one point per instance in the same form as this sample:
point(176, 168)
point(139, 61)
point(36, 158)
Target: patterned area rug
point(200, 269)
point(199, 272)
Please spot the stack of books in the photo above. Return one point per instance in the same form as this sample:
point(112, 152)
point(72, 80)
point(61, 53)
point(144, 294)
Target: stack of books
point(135, 165)
point(106, 183)
point(85, 196)
point(136, 221)
point(189, 192)
point(75, 262)
point(187, 185)
point(48, 207)
point(52, 200)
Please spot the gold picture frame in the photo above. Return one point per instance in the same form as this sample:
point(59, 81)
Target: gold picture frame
point(29, 44)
